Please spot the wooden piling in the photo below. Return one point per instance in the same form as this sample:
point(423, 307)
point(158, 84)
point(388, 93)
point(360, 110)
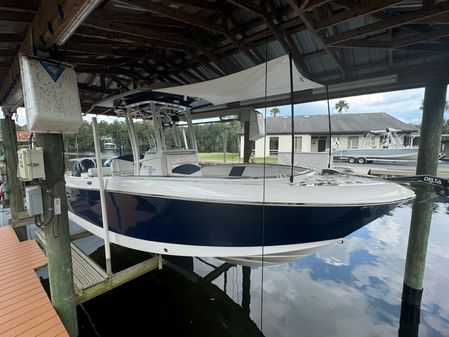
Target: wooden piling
point(246, 289)
point(57, 232)
point(10, 147)
point(432, 121)
point(246, 143)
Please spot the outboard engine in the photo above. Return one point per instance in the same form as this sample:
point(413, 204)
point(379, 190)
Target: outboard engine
point(82, 166)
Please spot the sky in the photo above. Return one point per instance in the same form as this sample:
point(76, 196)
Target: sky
point(402, 104)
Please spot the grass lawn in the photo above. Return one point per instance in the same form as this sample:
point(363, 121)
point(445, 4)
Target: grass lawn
point(232, 158)
point(218, 156)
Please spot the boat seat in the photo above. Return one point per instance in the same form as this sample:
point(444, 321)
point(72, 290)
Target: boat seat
point(237, 171)
point(121, 167)
point(187, 169)
point(93, 172)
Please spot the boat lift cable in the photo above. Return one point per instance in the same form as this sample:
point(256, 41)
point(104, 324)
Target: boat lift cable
point(292, 111)
point(330, 127)
point(264, 167)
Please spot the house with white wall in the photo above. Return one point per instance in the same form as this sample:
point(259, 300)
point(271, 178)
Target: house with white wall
point(312, 132)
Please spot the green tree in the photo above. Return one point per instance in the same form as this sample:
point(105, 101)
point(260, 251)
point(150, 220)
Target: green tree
point(446, 127)
point(446, 107)
point(275, 111)
point(446, 122)
point(341, 106)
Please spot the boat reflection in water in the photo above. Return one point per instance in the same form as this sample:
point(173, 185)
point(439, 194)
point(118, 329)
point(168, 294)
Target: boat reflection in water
point(175, 300)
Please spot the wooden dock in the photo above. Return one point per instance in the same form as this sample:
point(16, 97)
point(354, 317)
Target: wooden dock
point(86, 273)
point(91, 280)
point(25, 309)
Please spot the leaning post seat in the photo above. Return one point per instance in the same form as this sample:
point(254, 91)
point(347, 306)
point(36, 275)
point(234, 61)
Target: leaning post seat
point(121, 167)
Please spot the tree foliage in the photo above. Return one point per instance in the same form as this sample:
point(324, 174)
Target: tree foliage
point(209, 136)
point(275, 111)
point(341, 106)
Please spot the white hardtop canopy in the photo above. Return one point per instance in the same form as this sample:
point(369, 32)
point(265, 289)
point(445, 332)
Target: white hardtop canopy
point(248, 84)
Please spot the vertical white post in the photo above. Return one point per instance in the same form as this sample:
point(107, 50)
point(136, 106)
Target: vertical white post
point(134, 144)
point(157, 127)
point(192, 133)
point(104, 214)
point(185, 138)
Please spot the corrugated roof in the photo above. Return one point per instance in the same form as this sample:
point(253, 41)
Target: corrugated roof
point(341, 123)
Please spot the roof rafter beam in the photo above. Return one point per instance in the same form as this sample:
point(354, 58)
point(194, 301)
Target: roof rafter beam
point(288, 46)
point(199, 4)
point(307, 20)
point(249, 5)
point(123, 28)
point(22, 6)
point(20, 17)
point(355, 12)
point(238, 44)
point(392, 22)
point(251, 46)
point(134, 18)
point(11, 37)
point(409, 42)
point(125, 38)
point(94, 89)
point(174, 15)
point(47, 14)
point(315, 4)
point(112, 62)
point(102, 50)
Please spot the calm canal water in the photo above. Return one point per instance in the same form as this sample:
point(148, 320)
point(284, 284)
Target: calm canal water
point(348, 289)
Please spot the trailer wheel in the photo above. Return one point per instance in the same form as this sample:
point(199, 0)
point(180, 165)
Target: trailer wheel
point(361, 160)
point(351, 160)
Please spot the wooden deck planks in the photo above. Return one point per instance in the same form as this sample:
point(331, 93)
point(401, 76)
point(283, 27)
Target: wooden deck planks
point(86, 272)
point(25, 309)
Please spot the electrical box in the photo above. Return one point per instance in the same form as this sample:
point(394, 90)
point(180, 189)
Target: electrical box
point(30, 164)
point(33, 199)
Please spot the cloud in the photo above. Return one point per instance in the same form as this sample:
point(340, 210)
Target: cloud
point(402, 104)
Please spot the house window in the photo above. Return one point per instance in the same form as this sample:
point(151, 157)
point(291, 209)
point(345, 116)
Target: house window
point(274, 146)
point(353, 142)
point(298, 144)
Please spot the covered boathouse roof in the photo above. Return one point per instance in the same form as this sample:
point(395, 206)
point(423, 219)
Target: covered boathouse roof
point(355, 47)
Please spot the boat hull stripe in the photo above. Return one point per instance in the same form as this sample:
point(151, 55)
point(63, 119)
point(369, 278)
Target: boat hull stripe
point(219, 224)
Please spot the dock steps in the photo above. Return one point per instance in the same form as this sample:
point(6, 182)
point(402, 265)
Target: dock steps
point(90, 280)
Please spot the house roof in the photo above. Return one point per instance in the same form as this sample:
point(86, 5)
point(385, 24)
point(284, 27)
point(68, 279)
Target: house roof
point(340, 123)
point(22, 136)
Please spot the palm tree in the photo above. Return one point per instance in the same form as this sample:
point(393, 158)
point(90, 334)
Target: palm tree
point(341, 106)
point(274, 111)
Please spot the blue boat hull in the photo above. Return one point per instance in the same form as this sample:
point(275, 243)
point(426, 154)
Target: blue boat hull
point(199, 223)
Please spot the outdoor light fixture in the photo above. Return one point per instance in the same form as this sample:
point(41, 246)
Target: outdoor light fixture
point(67, 31)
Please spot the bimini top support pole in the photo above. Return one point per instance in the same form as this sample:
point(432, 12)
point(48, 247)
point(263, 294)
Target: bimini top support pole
point(104, 213)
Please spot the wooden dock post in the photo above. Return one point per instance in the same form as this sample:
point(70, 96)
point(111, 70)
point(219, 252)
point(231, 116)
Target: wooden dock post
point(246, 289)
point(10, 147)
point(429, 145)
point(57, 232)
point(246, 143)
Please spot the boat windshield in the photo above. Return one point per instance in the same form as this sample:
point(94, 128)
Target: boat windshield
point(175, 133)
